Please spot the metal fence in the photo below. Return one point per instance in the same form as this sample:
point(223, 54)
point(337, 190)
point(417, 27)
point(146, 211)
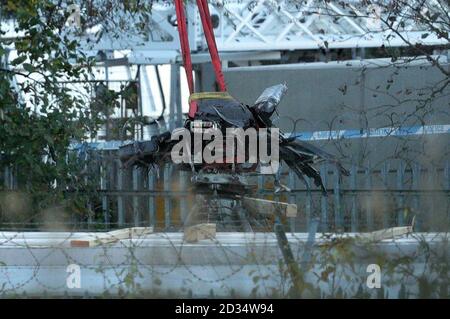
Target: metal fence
point(388, 194)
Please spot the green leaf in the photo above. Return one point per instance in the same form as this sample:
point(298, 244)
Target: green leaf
point(28, 67)
point(19, 60)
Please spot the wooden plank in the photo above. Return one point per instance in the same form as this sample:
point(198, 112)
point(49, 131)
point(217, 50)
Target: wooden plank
point(387, 233)
point(268, 207)
point(111, 236)
point(200, 231)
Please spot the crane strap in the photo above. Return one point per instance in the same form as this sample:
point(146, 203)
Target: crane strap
point(186, 52)
point(184, 43)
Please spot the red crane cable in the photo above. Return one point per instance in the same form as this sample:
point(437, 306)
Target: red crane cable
point(211, 41)
point(186, 51)
point(184, 43)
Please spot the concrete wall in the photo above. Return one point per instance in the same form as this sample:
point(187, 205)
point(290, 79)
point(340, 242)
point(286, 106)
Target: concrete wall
point(355, 95)
point(234, 264)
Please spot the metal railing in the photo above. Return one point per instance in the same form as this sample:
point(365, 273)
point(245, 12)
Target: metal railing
point(370, 198)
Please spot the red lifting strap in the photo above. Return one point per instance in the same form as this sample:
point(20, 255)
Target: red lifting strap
point(184, 42)
point(186, 52)
point(211, 40)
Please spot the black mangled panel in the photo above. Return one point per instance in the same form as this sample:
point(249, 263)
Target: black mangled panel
point(226, 112)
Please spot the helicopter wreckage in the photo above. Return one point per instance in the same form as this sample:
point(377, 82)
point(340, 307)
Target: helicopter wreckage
point(219, 145)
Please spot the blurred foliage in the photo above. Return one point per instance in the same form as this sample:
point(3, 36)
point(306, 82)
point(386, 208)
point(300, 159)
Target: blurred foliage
point(35, 134)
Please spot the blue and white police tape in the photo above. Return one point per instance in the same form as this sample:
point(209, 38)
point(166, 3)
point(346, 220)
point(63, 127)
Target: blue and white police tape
point(373, 132)
point(311, 136)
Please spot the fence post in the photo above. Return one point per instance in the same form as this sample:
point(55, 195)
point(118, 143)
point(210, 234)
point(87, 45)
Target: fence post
point(323, 199)
point(337, 199)
point(308, 203)
point(385, 178)
point(432, 179)
point(89, 204)
point(136, 213)
point(151, 199)
point(14, 176)
point(369, 216)
point(447, 175)
point(167, 198)
point(354, 217)
point(447, 182)
point(183, 198)
point(103, 187)
point(7, 178)
point(11, 177)
point(120, 205)
point(416, 179)
point(292, 198)
point(401, 196)
point(260, 183)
